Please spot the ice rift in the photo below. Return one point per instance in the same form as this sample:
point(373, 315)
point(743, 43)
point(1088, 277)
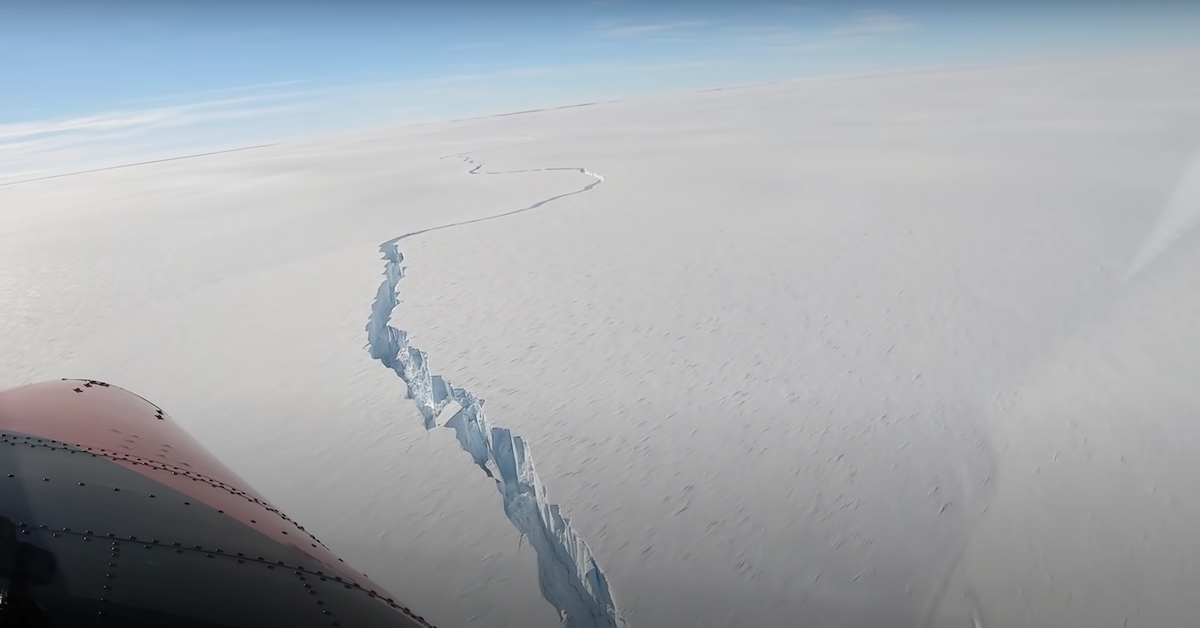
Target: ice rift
point(568, 575)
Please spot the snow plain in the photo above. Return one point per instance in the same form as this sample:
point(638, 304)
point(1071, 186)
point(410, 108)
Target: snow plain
point(841, 352)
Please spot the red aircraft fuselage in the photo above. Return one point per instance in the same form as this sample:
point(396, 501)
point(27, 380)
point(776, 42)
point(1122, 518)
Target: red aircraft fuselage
point(112, 515)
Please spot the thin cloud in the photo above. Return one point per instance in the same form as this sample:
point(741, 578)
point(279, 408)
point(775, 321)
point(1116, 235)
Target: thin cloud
point(260, 90)
point(253, 34)
point(758, 30)
point(646, 67)
point(601, 4)
point(143, 118)
point(471, 46)
point(874, 23)
point(248, 118)
point(794, 8)
point(81, 142)
point(85, 141)
point(790, 39)
point(770, 36)
point(484, 76)
point(649, 29)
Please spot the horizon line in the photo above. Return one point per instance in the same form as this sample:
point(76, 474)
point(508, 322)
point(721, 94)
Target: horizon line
point(812, 79)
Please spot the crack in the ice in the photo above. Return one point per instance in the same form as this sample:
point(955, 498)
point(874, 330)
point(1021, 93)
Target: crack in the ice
point(568, 575)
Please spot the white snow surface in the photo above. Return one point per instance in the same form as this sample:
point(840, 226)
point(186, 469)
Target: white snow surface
point(841, 352)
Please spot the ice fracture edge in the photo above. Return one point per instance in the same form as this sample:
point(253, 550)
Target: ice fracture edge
point(568, 575)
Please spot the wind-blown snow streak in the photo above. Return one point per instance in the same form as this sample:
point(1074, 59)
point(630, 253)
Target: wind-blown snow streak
point(568, 574)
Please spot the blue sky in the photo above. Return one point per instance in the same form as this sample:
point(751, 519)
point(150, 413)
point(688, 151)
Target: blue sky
point(127, 79)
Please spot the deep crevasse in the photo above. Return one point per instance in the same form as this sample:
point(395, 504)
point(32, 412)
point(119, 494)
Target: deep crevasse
point(568, 575)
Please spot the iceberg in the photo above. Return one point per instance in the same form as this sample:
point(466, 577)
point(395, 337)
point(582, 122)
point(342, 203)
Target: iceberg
point(568, 575)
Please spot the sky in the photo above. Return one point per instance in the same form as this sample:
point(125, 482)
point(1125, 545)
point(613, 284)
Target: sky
point(92, 84)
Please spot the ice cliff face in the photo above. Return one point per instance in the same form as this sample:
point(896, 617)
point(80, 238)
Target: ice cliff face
point(568, 575)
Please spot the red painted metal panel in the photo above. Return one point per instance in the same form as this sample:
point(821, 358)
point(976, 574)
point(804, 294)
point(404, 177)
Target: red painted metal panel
point(133, 432)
